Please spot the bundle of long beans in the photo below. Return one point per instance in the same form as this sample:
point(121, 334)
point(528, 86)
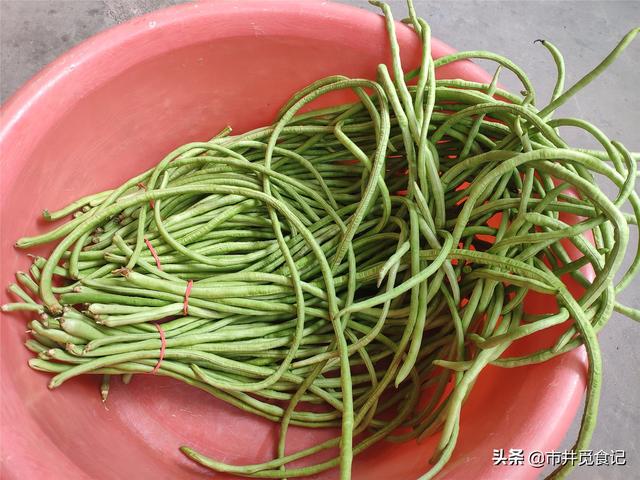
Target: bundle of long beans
point(347, 258)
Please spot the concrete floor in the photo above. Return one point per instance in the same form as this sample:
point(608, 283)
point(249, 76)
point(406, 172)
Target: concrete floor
point(35, 32)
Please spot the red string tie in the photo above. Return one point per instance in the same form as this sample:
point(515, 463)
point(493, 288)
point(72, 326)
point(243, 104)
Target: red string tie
point(154, 253)
point(163, 346)
point(187, 292)
point(144, 187)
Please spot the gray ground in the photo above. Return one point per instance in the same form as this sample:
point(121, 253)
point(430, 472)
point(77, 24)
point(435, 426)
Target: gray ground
point(35, 32)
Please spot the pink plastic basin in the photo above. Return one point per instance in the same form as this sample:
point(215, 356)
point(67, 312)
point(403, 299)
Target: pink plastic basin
point(111, 108)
